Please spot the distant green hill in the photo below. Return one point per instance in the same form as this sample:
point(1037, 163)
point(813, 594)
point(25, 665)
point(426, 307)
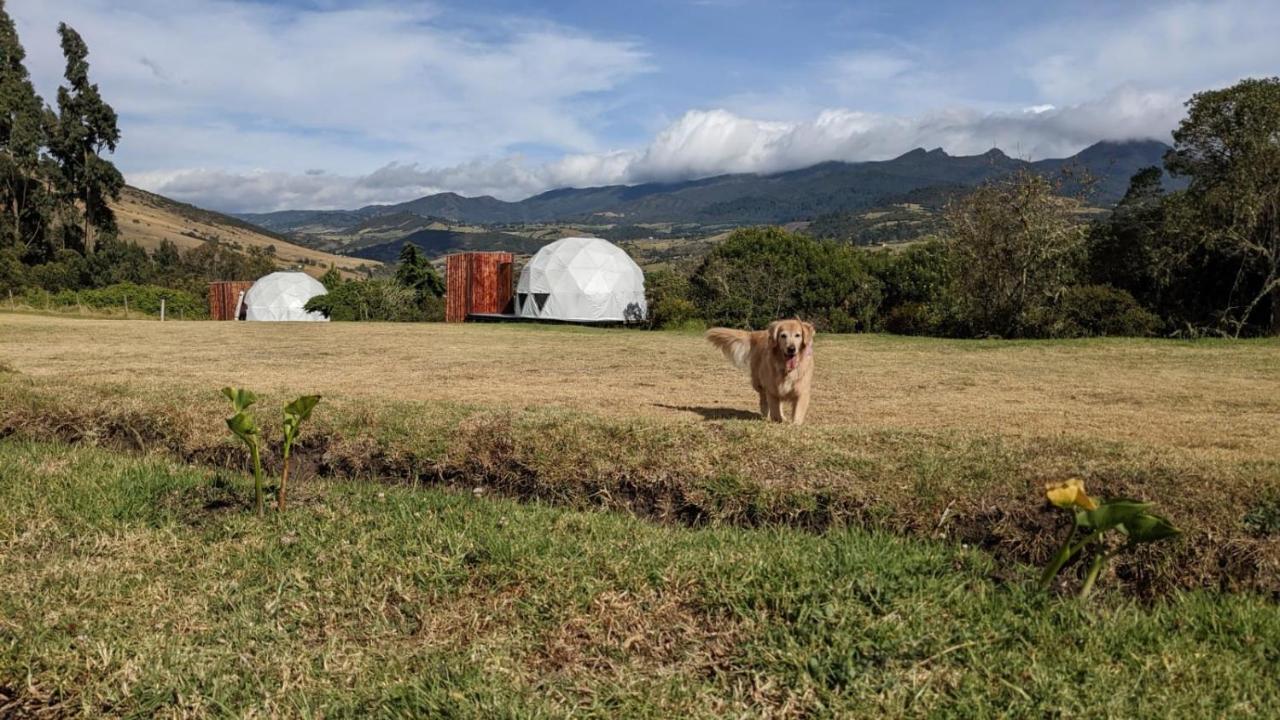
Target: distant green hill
point(440, 242)
point(798, 195)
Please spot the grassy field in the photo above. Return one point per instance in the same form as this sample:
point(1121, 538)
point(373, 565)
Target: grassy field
point(917, 437)
point(141, 587)
point(1214, 400)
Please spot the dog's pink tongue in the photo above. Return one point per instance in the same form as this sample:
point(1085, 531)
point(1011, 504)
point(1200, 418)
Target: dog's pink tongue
point(792, 362)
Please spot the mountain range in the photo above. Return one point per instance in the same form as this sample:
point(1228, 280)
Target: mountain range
point(919, 177)
point(748, 198)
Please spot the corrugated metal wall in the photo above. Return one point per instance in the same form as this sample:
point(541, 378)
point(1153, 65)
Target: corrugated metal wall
point(457, 290)
point(223, 297)
point(477, 282)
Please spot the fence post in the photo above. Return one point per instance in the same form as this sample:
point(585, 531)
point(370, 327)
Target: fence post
point(10, 299)
point(161, 309)
point(126, 307)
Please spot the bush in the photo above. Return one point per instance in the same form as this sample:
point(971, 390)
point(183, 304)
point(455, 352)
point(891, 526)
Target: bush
point(382, 300)
point(667, 294)
point(1099, 310)
point(142, 299)
point(1014, 246)
point(915, 318)
point(13, 273)
point(758, 275)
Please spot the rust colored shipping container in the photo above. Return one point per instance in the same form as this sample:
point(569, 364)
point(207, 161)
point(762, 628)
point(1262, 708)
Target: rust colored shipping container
point(477, 282)
point(224, 296)
point(457, 272)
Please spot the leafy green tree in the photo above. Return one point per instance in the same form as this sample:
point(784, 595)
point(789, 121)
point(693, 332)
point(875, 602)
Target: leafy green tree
point(13, 272)
point(1228, 146)
point(915, 281)
point(1124, 250)
point(24, 201)
point(667, 295)
point(1014, 246)
point(166, 256)
point(86, 126)
point(381, 300)
point(415, 272)
point(331, 278)
point(757, 275)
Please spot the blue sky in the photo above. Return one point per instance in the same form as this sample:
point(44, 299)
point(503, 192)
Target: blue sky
point(245, 105)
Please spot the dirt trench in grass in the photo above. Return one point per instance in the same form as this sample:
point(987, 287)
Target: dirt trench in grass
point(979, 490)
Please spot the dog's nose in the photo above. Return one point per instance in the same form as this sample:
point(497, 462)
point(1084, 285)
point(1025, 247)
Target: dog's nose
point(791, 351)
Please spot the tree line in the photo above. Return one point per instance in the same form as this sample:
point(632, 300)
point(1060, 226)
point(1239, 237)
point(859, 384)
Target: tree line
point(58, 234)
point(1019, 257)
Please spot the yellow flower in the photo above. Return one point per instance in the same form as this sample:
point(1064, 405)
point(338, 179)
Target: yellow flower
point(1070, 494)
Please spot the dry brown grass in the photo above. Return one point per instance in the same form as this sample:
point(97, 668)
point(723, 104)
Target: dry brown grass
point(1215, 400)
point(921, 437)
point(147, 220)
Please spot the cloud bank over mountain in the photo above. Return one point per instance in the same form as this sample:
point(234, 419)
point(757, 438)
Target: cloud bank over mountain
point(250, 106)
point(701, 143)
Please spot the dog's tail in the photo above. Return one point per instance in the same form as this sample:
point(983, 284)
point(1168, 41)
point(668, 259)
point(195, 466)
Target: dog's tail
point(735, 344)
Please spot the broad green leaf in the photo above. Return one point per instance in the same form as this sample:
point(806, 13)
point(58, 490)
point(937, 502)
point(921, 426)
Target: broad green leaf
point(301, 408)
point(1111, 513)
point(240, 397)
point(294, 413)
point(1147, 527)
point(242, 425)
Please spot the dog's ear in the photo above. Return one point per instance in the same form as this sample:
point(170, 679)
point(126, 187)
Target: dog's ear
point(808, 332)
point(772, 329)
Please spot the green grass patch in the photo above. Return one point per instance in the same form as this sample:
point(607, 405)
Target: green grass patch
point(979, 489)
point(136, 586)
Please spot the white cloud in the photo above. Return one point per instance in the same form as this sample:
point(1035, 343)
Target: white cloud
point(255, 106)
point(700, 144)
point(382, 78)
point(1182, 46)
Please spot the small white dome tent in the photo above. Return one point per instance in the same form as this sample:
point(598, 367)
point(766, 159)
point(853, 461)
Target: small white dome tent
point(281, 296)
point(581, 280)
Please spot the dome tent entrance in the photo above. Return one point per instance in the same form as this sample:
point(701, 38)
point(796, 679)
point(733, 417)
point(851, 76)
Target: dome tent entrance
point(281, 296)
point(581, 280)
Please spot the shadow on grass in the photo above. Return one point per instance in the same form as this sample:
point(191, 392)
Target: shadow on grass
point(713, 413)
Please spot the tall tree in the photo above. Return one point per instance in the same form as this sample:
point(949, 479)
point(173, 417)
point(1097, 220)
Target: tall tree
point(331, 278)
point(1125, 248)
point(86, 126)
point(416, 272)
point(1229, 148)
point(1015, 245)
point(24, 202)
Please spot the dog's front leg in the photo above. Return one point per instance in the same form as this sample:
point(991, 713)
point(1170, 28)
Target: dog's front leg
point(775, 408)
point(800, 409)
point(764, 405)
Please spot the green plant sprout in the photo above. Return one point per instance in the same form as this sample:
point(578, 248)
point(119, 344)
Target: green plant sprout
point(294, 414)
point(244, 427)
point(1131, 518)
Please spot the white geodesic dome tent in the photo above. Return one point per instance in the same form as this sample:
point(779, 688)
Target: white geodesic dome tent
point(281, 296)
point(582, 280)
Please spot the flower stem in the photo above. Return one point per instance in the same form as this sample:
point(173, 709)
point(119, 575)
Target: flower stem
point(284, 480)
point(1094, 569)
point(257, 474)
point(1088, 539)
point(1059, 559)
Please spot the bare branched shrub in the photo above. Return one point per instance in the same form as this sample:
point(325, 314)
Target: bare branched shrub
point(1015, 245)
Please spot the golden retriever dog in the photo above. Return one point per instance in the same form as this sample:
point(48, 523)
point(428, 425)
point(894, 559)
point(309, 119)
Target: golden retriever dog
point(780, 359)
